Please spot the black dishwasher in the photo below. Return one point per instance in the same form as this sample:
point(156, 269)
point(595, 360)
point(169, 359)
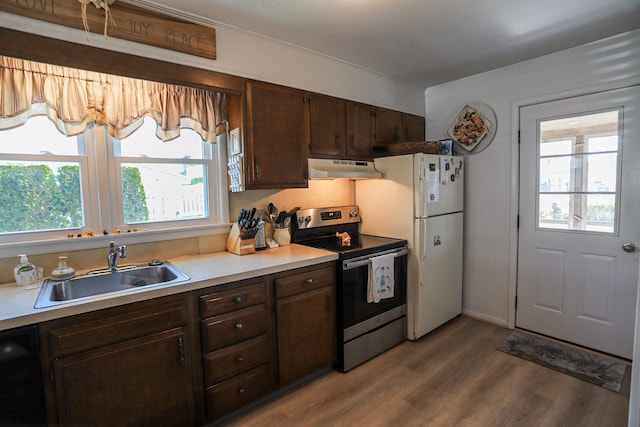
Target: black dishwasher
point(21, 393)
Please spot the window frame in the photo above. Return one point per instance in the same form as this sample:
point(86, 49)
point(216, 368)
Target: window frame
point(101, 192)
point(572, 156)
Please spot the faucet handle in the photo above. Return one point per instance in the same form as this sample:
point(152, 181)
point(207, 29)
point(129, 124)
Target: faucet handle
point(122, 251)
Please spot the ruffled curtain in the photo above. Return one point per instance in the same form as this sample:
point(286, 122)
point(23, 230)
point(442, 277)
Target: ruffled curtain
point(74, 99)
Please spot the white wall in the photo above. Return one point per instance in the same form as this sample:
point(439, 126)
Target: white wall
point(491, 175)
point(246, 55)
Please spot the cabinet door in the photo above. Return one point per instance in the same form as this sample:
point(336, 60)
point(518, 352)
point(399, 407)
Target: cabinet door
point(306, 333)
point(277, 137)
point(139, 382)
point(388, 126)
point(327, 126)
point(360, 131)
point(412, 128)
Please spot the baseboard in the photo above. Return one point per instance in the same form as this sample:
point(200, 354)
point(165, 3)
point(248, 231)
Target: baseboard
point(489, 319)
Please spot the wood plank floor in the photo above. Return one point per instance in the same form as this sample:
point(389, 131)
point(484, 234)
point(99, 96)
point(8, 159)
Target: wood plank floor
point(452, 377)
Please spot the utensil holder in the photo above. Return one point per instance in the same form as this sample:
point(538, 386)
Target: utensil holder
point(237, 245)
point(282, 236)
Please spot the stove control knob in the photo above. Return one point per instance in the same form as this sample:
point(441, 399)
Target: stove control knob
point(307, 219)
point(354, 214)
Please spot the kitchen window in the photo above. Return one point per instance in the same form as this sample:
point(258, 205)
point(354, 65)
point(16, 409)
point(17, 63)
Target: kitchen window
point(84, 154)
point(55, 186)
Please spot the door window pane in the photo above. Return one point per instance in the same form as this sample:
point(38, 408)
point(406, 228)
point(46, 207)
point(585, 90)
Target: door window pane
point(578, 171)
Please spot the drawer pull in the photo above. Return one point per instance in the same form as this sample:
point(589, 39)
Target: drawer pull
point(239, 326)
point(240, 360)
point(238, 299)
point(309, 281)
point(242, 391)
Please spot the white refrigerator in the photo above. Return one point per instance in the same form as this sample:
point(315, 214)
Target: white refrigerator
point(420, 198)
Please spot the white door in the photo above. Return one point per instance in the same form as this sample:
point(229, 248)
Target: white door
point(579, 226)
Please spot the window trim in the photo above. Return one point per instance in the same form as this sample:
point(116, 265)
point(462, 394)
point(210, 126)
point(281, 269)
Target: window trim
point(97, 183)
point(618, 132)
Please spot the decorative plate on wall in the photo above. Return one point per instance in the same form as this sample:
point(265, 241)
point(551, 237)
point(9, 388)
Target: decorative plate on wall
point(473, 128)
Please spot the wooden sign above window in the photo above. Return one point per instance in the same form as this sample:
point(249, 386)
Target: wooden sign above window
point(131, 23)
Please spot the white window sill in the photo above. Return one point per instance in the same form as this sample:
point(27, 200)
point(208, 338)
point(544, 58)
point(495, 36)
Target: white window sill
point(9, 250)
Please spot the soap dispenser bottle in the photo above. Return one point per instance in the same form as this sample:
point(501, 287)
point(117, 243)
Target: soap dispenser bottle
point(23, 265)
point(63, 271)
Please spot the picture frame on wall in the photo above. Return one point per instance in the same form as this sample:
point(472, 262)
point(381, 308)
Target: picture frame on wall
point(235, 146)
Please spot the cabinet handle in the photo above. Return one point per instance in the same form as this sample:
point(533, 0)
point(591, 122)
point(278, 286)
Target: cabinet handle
point(242, 391)
point(337, 140)
point(353, 142)
point(256, 169)
point(238, 299)
point(181, 349)
point(240, 360)
point(239, 326)
point(309, 281)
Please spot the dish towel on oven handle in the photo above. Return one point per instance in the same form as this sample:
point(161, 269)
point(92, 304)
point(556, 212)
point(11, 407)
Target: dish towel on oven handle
point(381, 278)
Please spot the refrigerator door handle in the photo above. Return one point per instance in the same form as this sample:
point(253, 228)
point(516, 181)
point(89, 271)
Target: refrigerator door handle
point(422, 191)
point(423, 240)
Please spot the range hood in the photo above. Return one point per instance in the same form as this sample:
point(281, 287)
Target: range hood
point(349, 169)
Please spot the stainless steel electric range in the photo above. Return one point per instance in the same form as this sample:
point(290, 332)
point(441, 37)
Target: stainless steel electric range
point(365, 329)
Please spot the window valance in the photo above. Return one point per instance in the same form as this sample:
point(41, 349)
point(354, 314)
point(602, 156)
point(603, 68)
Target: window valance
point(74, 99)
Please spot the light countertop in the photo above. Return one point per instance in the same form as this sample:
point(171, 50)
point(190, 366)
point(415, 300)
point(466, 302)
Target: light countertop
point(16, 304)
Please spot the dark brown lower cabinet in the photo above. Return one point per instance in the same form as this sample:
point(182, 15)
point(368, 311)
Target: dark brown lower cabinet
point(236, 344)
point(124, 366)
point(306, 322)
point(134, 383)
point(192, 358)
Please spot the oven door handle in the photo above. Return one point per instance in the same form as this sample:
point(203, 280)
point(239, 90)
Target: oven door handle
point(366, 260)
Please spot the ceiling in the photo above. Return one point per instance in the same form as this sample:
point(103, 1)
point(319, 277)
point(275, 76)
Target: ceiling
point(424, 42)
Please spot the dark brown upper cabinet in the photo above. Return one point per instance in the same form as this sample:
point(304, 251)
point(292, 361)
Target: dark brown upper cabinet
point(276, 137)
point(360, 131)
point(340, 129)
point(388, 126)
point(327, 126)
point(412, 127)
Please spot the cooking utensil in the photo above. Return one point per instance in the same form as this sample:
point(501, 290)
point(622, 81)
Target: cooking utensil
point(281, 216)
point(272, 210)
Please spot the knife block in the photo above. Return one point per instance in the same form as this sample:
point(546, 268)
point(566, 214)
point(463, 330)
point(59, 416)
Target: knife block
point(236, 245)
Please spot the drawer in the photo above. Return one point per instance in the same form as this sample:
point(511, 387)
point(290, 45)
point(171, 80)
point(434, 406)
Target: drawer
point(229, 361)
point(239, 391)
point(96, 329)
point(231, 328)
point(234, 299)
point(305, 281)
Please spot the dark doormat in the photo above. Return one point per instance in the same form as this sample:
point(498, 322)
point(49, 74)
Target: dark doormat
point(581, 364)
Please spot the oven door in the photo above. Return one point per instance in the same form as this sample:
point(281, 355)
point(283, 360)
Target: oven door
point(354, 276)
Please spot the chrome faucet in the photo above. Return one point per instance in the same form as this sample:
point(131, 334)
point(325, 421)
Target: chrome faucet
point(115, 252)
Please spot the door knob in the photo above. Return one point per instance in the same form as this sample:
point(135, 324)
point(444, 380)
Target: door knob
point(629, 247)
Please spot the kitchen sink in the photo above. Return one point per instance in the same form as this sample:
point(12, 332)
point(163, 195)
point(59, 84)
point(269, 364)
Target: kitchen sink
point(58, 292)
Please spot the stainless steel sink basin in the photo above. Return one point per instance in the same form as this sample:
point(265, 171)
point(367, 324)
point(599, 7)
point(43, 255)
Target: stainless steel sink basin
point(54, 293)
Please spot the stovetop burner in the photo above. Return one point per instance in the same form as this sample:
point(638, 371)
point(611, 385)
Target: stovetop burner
point(318, 227)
